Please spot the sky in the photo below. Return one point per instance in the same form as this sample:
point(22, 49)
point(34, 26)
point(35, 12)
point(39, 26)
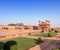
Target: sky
point(30, 12)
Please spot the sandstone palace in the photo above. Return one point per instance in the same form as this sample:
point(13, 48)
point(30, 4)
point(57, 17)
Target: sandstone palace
point(42, 26)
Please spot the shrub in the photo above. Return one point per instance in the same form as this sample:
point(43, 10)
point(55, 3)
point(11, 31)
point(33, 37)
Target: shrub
point(39, 40)
point(42, 31)
point(56, 31)
point(51, 34)
point(29, 34)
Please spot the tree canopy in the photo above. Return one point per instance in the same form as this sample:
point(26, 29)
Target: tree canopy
point(17, 24)
point(11, 24)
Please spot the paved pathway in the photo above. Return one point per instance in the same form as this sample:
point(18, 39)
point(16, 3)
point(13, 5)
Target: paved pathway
point(49, 44)
point(41, 46)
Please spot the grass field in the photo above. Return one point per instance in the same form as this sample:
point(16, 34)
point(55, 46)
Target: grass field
point(22, 43)
point(52, 34)
point(41, 35)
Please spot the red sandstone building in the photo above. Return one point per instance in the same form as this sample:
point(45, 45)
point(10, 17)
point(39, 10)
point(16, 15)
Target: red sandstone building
point(44, 26)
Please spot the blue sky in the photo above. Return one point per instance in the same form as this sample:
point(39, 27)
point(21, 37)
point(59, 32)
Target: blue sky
point(30, 11)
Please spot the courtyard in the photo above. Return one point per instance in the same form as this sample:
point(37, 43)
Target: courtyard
point(28, 42)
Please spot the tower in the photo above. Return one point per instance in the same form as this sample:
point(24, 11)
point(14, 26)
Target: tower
point(44, 26)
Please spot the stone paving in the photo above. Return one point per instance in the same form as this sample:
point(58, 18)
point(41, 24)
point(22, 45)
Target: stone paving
point(49, 44)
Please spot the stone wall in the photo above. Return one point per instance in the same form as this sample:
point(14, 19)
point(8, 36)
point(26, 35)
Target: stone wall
point(27, 27)
point(6, 34)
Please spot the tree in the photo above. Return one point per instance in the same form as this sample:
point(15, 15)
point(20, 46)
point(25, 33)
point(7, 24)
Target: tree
point(11, 24)
point(19, 24)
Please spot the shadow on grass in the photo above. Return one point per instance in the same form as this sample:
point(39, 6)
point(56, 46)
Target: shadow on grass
point(8, 45)
point(1, 45)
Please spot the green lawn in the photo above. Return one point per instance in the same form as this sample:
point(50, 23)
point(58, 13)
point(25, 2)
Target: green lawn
point(52, 34)
point(41, 35)
point(22, 43)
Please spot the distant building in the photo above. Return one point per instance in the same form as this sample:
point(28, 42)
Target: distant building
point(28, 27)
point(44, 26)
point(35, 27)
